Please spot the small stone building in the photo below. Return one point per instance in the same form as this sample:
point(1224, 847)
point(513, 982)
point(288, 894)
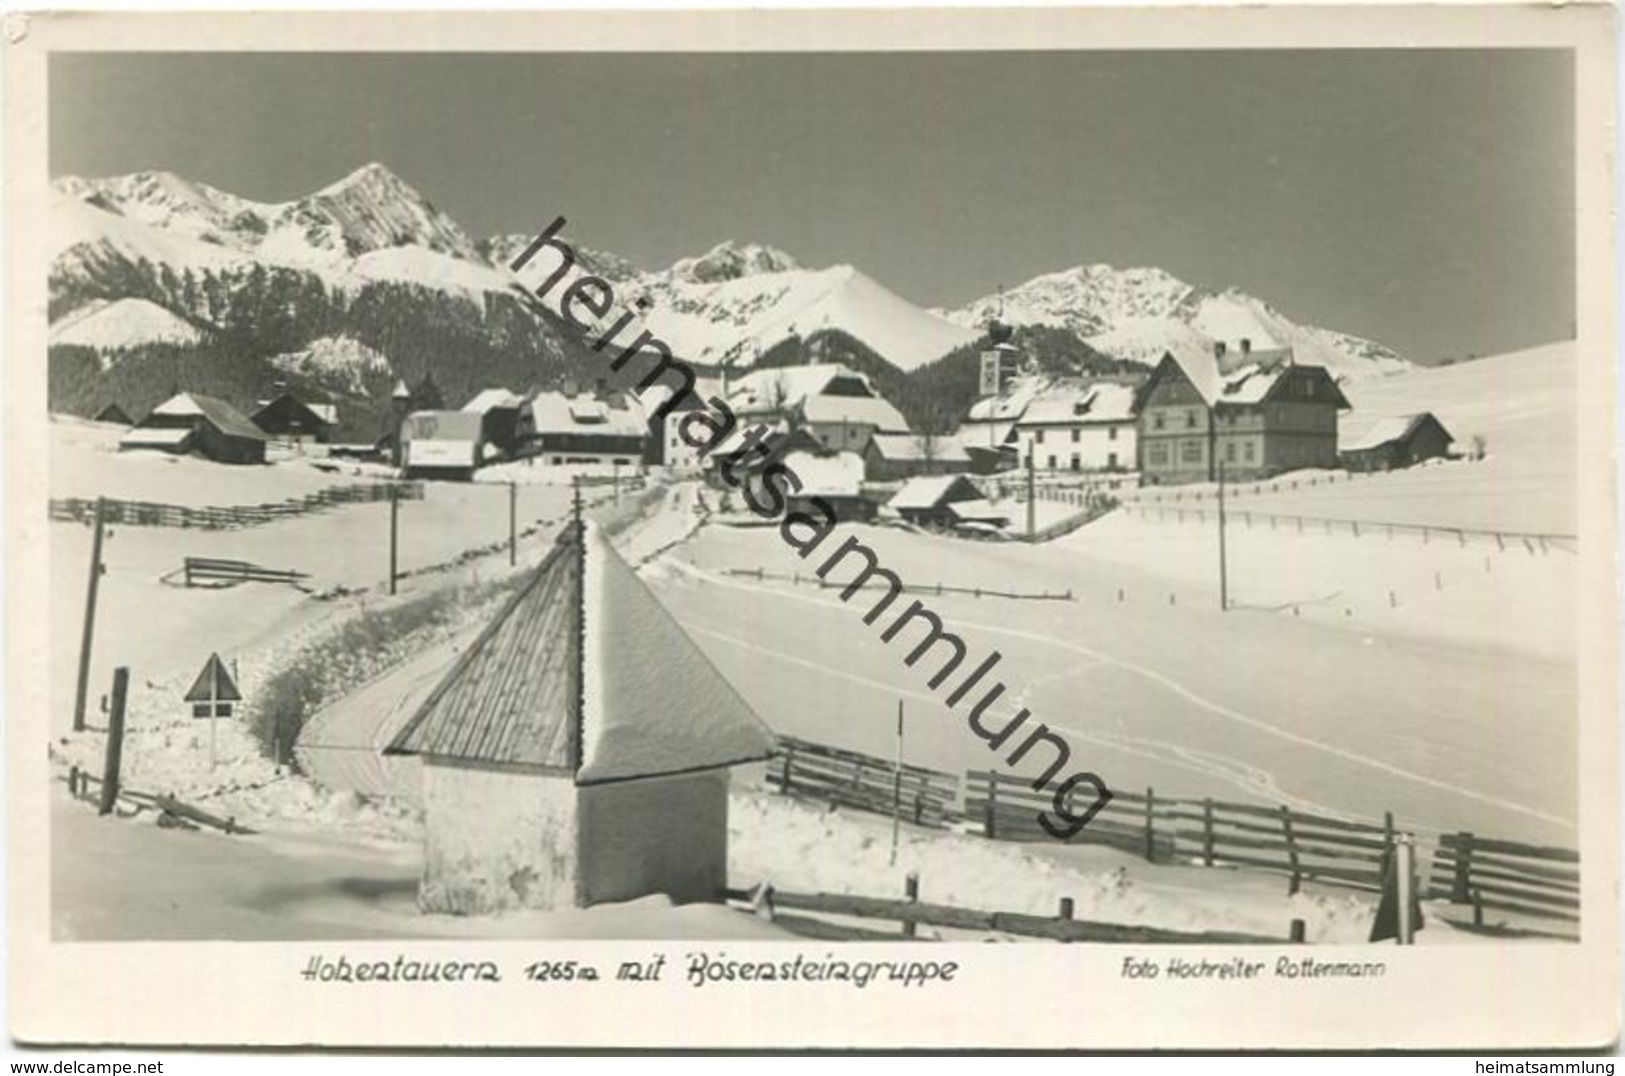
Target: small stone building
point(577, 752)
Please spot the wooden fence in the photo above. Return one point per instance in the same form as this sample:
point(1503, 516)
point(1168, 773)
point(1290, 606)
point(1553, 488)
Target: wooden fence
point(231, 572)
point(80, 783)
point(910, 913)
point(228, 517)
point(925, 797)
point(1507, 876)
point(1292, 523)
point(907, 588)
point(1301, 846)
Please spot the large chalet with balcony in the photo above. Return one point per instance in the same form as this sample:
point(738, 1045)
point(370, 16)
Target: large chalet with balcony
point(1253, 413)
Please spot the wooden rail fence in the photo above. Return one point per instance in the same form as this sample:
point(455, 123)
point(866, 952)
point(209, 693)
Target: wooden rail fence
point(924, 796)
point(228, 517)
point(1301, 846)
point(911, 913)
point(231, 572)
point(1531, 541)
point(80, 783)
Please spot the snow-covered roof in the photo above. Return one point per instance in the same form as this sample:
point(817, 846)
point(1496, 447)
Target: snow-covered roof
point(155, 437)
point(224, 417)
point(857, 410)
point(839, 475)
point(1359, 435)
point(491, 400)
point(1009, 405)
point(1074, 404)
point(787, 386)
point(554, 412)
point(1248, 382)
point(550, 683)
point(929, 491)
point(908, 446)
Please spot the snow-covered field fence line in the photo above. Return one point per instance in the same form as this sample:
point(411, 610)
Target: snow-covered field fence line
point(1521, 879)
point(176, 812)
point(763, 575)
point(1290, 523)
point(911, 913)
point(227, 517)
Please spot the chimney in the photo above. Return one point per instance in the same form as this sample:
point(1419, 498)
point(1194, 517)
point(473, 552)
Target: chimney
point(1246, 347)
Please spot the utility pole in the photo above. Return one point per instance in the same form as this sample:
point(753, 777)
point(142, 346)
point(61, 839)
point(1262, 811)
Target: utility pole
point(115, 740)
point(1224, 584)
point(513, 523)
point(1032, 501)
point(91, 589)
point(394, 530)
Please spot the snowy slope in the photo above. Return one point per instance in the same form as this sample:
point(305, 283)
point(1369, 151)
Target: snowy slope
point(1141, 313)
point(124, 323)
point(338, 362)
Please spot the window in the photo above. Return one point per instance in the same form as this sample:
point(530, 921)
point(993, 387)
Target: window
point(1156, 421)
point(1190, 450)
point(1111, 461)
point(1230, 452)
point(1247, 451)
point(1075, 433)
point(1156, 455)
point(1111, 433)
point(1190, 420)
point(1052, 463)
point(1077, 464)
point(1038, 437)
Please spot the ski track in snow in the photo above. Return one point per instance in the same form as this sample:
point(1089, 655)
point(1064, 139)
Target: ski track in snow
point(1249, 777)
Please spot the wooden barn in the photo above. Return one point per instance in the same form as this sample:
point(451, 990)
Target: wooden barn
point(1394, 442)
point(944, 501)
point(892, 457)
point(563, 767)
point(188, 422)
point(287, 417)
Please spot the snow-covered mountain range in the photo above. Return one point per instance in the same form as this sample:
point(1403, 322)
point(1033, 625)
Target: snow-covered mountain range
point(1139, 314)
point(725, 306)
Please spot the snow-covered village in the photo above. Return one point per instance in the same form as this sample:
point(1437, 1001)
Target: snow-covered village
point(414, 580)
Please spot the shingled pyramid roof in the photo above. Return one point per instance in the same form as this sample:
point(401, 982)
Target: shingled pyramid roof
point(584, 673)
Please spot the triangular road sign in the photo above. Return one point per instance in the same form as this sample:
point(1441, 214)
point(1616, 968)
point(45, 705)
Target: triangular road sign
point(214, 682)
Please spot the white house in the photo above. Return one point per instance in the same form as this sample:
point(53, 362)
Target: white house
point(1079, 427)
point(577, 752)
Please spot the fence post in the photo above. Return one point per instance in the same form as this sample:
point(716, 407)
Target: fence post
point(73, 781)
point(1150, 825)
point(115, 740)
point(1291, 849)
point(1207, 832)
point(990, 807)
point(1460, 888)
point(911, 893)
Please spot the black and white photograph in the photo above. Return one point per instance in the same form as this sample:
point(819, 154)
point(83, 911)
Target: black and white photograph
point(1112, 504)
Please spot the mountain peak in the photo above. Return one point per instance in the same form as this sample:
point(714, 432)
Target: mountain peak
point(371, 176)
point(731, 260)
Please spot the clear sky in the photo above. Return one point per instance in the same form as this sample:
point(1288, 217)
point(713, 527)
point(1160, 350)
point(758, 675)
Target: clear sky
point(1421, 198)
